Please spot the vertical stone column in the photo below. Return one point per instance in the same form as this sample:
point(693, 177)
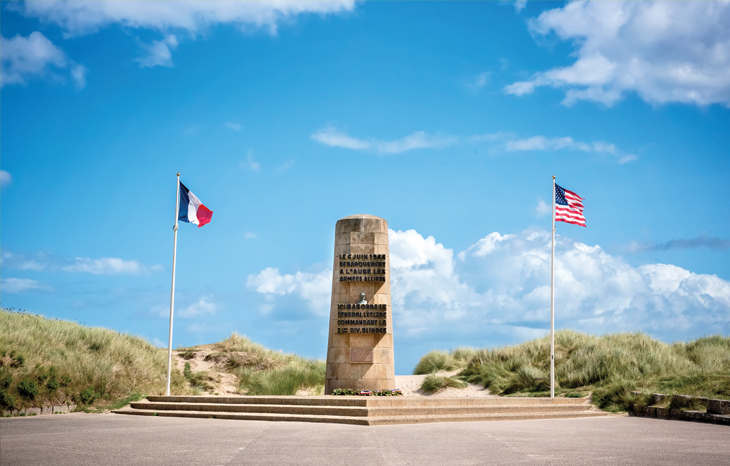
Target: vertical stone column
point(360, 347)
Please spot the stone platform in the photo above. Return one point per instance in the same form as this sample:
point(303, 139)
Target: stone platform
point(359, 410)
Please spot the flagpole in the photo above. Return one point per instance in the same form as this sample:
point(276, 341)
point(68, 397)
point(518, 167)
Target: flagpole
point(552, 303)
point(172, 291)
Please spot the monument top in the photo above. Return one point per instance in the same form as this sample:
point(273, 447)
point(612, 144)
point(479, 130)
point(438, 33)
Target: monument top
point(361, 216)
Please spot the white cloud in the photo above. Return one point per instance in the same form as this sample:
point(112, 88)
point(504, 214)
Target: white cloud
point(108, 266)
point(233, 126)
point(503, 140)
point(190, 17)
point(520, 5)
point(313, 288)
point(482, 79)
point(250, 235)
point(502, 283)
point(202, 307)
point(627, 158)
point(663, 51)
point(542, 143)
point(250, 163)
point(542, 208)
point(24, 58)
point(329, 136)
point(18, 285)
point(78, 73)
point(80, 18)
point(5, 178)
point(418, 140)
point(158, 53)
point(22, 262)
point(158, 343)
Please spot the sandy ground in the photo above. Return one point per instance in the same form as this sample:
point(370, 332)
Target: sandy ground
point(410, 385)
point(224, 383)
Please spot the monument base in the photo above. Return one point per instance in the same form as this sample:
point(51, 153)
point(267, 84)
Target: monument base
point(363, 410)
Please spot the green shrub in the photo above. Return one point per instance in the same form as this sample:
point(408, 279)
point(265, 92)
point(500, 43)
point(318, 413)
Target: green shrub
point(88, 396)
point(7, 401)
point(6, 378)
point(52, 383)
point(27, 388)
point(65, 381)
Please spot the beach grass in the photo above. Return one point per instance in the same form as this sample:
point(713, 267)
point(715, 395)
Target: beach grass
point(610, 367)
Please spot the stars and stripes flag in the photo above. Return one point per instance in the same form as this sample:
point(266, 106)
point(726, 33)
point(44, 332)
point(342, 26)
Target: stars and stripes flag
point(568, 207)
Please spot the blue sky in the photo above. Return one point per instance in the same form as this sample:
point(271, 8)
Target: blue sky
point(446, 119)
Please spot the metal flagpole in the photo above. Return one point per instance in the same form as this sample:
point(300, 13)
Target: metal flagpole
point(172, 292)
point(552, 304)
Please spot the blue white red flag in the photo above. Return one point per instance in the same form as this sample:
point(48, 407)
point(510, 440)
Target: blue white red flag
point(568, 207)
point(191, 209)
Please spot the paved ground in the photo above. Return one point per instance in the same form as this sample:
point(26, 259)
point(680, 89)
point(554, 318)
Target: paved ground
point(111, 439)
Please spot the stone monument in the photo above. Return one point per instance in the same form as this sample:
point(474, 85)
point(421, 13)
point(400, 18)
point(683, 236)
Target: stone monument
point(360, 347)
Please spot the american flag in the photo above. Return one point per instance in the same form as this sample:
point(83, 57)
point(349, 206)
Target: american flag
point(568, 207)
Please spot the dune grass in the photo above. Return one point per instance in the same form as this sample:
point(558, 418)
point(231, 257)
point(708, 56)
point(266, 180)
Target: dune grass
point(435, 383)
point(263, 371)
point(610, 367)
point(49, 361)
point(437, 360)
point(298, 374)
point(54, 362)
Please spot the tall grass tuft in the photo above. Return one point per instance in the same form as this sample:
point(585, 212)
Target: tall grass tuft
point(437, 360)
point(286, 380)
point(434, 383)
point(610, 366)
point(50, 361)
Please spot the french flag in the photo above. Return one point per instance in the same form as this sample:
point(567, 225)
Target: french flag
point(191, 209)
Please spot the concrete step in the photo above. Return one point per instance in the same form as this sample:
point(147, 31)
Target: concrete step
point(355, 410)
point(363, 420)
point(366, 401)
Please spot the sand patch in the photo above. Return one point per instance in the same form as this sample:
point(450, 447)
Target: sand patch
point(410, 385)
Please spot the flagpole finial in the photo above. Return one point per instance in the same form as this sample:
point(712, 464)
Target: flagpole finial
point(178, 174)
point(553, 175)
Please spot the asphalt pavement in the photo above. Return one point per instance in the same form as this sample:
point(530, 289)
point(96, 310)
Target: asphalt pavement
point(112, 439)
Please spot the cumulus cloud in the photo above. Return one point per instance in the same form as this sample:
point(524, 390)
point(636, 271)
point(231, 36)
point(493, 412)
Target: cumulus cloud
point(24, 58)
point(78, 18)
point(81, 18)
point(313, 288)
point(330, 136)
point(202, 307)
point(5, 179)
point(702, 241)
point(108, 266)
point(158, 53)
point(18, 285)
point(501, 283)
point(663, 51)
